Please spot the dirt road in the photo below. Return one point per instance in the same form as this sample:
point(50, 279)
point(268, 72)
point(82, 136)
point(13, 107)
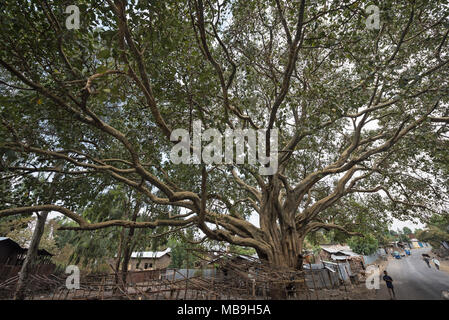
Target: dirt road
point(413, 279)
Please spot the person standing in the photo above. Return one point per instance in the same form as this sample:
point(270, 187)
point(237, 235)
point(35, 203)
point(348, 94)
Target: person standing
point(389, 281)
point(437, 263)
point(427, 260)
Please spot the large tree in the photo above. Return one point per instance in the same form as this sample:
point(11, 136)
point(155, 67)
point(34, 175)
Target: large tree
point(436, 233)
point(361, 111)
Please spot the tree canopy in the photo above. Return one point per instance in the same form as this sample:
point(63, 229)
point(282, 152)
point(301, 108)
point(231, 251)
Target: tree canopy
point(436, 233)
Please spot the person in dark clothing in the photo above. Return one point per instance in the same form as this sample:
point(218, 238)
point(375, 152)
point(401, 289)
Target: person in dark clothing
point(427, 260)
point(389, 281)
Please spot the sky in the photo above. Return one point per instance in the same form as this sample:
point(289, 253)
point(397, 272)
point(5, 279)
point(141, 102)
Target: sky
point(397, 224)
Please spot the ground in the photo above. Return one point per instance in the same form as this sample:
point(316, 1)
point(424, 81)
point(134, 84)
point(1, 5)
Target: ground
point(414, 280)
point(444, 264)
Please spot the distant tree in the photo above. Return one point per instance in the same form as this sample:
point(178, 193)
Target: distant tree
point(385, 238)
point(393, 233)
point(93, 250)
point(437, 231)
point(406, 231)
point(403, 237)
point(434, 236)
point(23, 235)
point(10, 224)
point(366, 245)
point(183, 255)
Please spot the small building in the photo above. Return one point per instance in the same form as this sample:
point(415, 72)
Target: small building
point(352, 262)
point(150, 260)
point(11, 253)
point(329, 251)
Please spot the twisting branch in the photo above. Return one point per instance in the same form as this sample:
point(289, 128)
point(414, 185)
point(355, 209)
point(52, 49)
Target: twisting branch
point(84, 225)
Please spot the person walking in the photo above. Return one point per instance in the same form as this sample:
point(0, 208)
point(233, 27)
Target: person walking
point(389, 281)
point(437, 263)
point(427, 260)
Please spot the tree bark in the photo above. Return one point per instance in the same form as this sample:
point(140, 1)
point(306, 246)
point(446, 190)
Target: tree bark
point(30, 260)
point(119, 256)
point(128, 245)
point(281, 231)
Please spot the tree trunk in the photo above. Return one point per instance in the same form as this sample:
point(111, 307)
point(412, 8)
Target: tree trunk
point(119, 257)
point(128, 246)
point(126, 258)
point(285, 239)
point(281, 233)
point(30, 260)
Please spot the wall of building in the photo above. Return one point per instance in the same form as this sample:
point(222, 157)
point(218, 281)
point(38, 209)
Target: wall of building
point(10, 253)
point(415, 244)
point(149, 263)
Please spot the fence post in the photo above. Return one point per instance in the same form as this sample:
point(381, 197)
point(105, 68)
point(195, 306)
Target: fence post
point(331, 284)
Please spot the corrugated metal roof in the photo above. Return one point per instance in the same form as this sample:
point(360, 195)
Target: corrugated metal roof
point(252, 258)
point(329, 262)
point(150, 254)
point(349, 253)
point(334, 257)
point(335, 248)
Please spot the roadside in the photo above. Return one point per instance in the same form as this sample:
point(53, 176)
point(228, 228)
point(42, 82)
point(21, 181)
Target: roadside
point(444, 262)
point(358, 290)
point(414, 280)
point(444, 266)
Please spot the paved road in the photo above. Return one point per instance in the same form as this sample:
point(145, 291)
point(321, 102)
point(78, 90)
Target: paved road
point(413, 279)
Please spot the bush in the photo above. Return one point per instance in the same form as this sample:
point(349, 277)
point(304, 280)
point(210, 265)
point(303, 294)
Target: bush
point(366, 245)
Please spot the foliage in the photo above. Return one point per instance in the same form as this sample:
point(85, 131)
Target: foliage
point(23, 235)
point(364, 217)
point(362, 118)
point(385, 238)
point(183, 254)
point(98, 247)
point(406, 231)
point(10, 224)
point(436, 232)
point(242, 250)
